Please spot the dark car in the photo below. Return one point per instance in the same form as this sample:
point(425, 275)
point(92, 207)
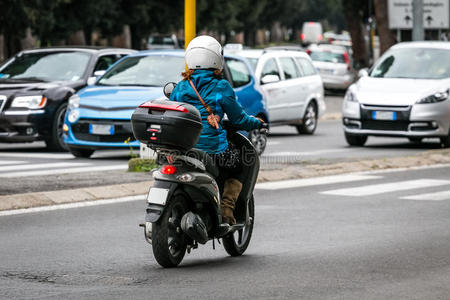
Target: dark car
point(36, 84)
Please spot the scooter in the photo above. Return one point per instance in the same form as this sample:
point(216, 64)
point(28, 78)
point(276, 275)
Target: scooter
point(183, 206)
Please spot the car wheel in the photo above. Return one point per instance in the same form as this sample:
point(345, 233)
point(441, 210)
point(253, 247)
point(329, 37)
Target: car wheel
point(55, 142)
point(355, 140)
point(415, 139)
point(309, 123)
point(82, 153)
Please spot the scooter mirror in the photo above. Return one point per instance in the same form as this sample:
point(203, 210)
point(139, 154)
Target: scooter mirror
point(168, 88)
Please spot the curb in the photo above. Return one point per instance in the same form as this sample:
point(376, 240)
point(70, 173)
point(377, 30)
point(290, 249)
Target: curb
point(295, 171)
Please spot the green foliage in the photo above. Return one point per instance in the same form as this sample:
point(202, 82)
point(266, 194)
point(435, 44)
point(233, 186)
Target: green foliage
point(141, 165)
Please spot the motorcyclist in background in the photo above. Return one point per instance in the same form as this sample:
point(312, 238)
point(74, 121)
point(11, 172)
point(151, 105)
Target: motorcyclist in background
point(204, 60)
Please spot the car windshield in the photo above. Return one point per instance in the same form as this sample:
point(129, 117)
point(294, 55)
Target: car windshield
point(46, 66)
point(152, 70)
point(327, 56)
point(415, 63)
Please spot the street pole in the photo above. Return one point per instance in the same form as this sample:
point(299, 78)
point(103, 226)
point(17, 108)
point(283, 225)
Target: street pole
point(189, 21)
point(418, 31)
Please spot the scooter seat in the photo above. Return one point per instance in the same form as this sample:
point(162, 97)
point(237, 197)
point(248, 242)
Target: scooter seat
point(209, 163)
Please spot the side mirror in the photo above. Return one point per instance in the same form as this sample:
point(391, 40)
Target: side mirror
point(270, 79)
point(363, 73)
point(168, 88)
point(99, 73)
point(91, 80)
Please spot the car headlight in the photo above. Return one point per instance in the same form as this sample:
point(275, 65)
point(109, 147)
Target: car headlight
point(74, 102)
point(436, 97)
point(31, 102)
point(74, 114)
point(350, 96)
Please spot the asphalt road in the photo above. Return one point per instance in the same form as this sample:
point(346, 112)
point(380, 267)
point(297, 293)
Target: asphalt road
point(29, 168)
point(372, 236)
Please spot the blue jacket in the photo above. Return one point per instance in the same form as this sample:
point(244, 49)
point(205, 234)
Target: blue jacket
point(219, 95)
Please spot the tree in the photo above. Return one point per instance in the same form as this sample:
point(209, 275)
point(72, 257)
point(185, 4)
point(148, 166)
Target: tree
point(354, 12)
point(385, 34)
point(13, 23)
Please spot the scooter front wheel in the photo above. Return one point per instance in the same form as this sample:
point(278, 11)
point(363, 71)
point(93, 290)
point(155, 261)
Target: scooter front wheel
point(237, 242)
point(168, 240)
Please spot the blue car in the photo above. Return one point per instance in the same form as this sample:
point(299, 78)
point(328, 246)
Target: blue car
point(98, 116)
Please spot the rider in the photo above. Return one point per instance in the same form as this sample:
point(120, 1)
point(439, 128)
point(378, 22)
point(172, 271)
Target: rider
point(204, 60)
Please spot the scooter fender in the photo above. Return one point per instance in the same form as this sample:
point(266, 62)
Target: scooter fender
point(157, 199)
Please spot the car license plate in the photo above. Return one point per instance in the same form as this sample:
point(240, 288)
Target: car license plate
point(157, 196)
point(384, 115)
point(101, 129)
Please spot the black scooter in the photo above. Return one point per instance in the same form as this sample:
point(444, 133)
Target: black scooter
point(183, 206)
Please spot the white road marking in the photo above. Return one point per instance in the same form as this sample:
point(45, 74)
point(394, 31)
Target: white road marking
point(64, 171)
point(272, 143)
point(286, 184)
point(11, 162)
point(375, 189)
point(42, 166)
point(71, 205)
point(307, 153)
point(37, 155)
point(439, 196)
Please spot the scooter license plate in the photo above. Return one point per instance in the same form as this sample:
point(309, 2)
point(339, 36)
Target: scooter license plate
point(157, 196)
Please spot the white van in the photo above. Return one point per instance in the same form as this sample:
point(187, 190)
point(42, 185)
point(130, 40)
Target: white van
point(311, 33)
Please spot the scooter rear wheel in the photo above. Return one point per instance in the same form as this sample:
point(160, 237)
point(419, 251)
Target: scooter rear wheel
point(168, 240)
point(237, 242)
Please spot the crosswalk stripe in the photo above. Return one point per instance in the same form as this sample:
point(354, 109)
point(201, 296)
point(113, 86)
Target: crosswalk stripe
point(64, 171)
point(439, 196)
point(37, 155)
point(374, 189)
point(42, 166)
point(286, 184)
point(10, 162)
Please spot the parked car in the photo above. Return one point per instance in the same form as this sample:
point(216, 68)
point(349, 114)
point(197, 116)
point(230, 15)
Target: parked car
point(168, 41)
point(405, 94)
point(36, 84)
point(291, 85)
point(334, 64)
point(99, 116)
point(311, 33)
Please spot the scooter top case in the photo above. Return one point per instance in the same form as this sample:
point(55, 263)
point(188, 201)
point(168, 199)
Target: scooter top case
point(167, 125)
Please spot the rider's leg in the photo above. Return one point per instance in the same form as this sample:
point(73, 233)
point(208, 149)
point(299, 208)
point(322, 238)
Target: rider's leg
point(231, 191)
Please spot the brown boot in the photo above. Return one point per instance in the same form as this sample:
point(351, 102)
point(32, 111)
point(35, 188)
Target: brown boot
point(231, 191)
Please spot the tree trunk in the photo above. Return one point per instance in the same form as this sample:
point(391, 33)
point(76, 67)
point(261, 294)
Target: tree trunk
point(2, 49)
point(385, 34)
point(355, 27)
point(77, 38)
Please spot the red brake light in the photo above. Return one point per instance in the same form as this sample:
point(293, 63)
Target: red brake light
point(302, 36)
point(320, 37)
point(162, 107)
point(347, 61)
point(312, 23)
point(168, 170)
point(308, 52)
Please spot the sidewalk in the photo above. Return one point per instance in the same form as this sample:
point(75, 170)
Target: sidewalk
point(28, 200)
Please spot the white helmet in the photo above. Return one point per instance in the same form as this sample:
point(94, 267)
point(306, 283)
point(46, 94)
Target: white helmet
point(204, 52)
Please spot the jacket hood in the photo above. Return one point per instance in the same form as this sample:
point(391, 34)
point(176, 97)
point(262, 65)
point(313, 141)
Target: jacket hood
point(204, 83)
point(396, 91)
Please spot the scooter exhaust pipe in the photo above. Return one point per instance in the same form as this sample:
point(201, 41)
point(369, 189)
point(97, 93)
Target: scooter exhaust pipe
point(194, 227)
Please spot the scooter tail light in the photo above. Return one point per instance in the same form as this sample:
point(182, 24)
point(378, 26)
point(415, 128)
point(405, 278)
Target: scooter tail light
point(168, 170)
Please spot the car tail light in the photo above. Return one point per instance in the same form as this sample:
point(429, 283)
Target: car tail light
point(347, 61)
point(308, 52)
point(302, 36)
point(320, 37)
point(168, 170)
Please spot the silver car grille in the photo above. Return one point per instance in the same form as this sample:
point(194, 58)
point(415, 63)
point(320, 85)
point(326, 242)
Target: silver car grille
point(2, 102)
